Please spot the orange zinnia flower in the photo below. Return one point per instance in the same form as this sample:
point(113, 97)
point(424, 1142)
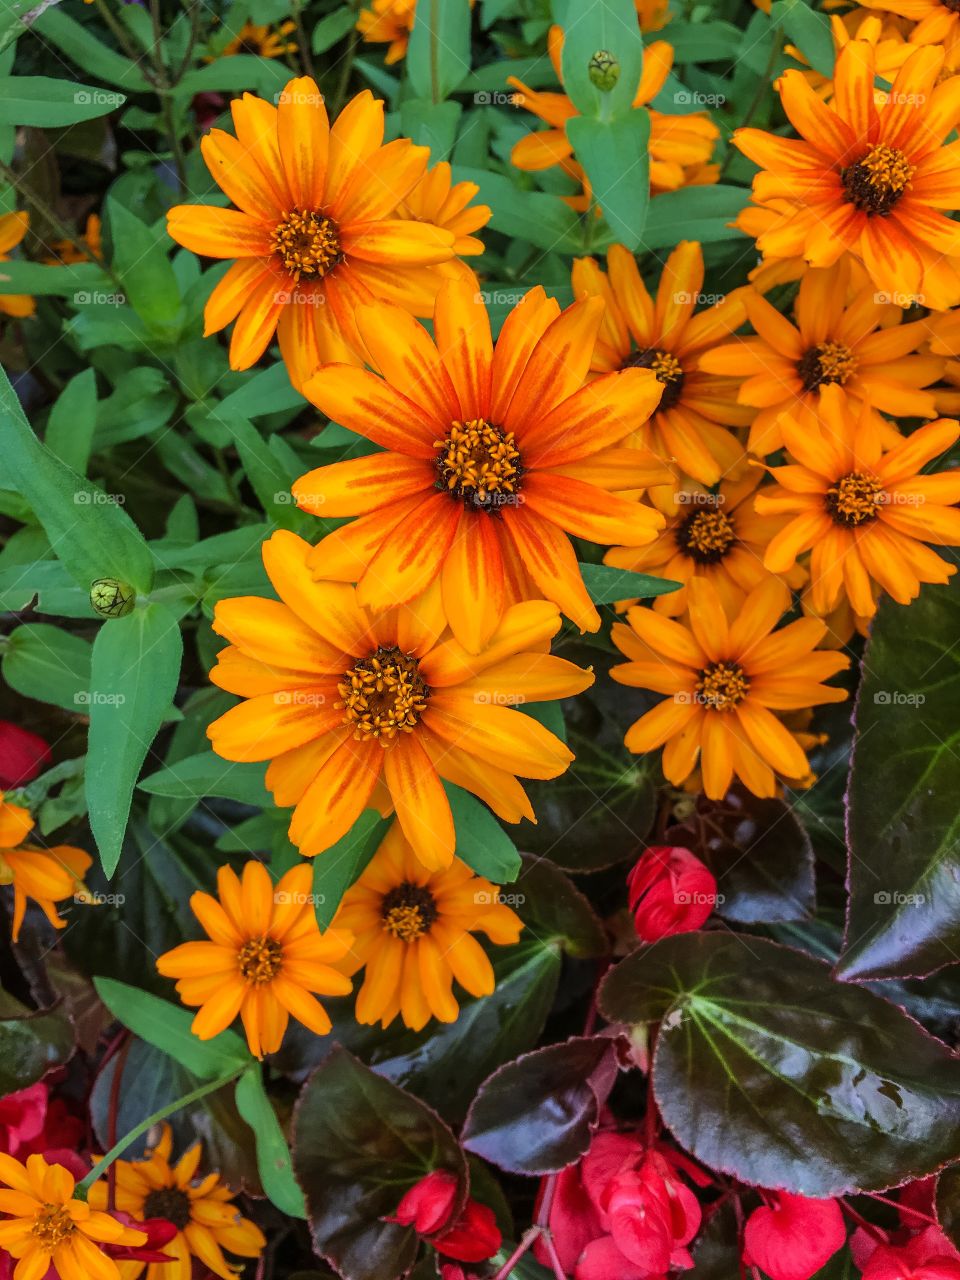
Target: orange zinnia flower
point(442, 203)
point(265, 957)
point(864, 511)
point(413, 932)
point(938, 23)
point(202, 1210)
point(388, 22)
point(680, 145)
point(316, 232)
point(709, 535)
point(13, 227)
point(354, 708)
point(691, 423)
point(494, 456)
point(866, 178)
point(261, 41)
point(48, 1228)
point(785, 367)
point(48, 876)
point(726, 675)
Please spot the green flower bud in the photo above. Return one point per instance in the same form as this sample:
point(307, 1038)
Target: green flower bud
point(604, 70)
point(112, 598)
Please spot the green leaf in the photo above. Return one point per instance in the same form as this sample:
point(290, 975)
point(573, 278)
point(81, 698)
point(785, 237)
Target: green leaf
point(206, 774)
point(77, 281)
point(140, 260)
point(903, 916)
point(538, 1114)
point(72, 421)
point(167, 1027)
point(431, 124)
point(13, 20)
point(759, 853)
point(554, 912)
point(89, 52)
point(44, 662)
point(331, 28)
point(542, 220)
point(693, 213)
point(88, 530)
point(240, 73)
point(360, 1143)
point(603, 26)
point(768, 1069)
point(616, 159)
point(268, 391)
point(607, 584)
point(273, 1154)
point(136, 667)
point(335, 870)
point(809, 31)
point(481, 841)
point(31, 1044)
point(438, 57)
point(702, 41)
point(270, 478)
point(44, 103)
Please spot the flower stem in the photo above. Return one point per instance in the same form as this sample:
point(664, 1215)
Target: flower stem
point(434, 51)
point(178, 1104)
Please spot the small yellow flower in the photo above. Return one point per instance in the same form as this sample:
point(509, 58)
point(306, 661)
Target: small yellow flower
point(262, 41)
point(47, 1227)
point(48, 876)
point(202, 1210)
point(414, 935)
point(265, 957)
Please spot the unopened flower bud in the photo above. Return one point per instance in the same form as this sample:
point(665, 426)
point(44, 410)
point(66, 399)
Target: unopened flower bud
point(112, 598)
point(604, 70)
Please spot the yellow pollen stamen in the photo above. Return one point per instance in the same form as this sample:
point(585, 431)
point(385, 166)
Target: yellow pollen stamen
point(855, 499)
point(260, 960)
point(826, 364)
point(722, 686)
point(479, 464)
point(706, 536)
point(308, 244)
point(875, 183)
point(51, 1227)
point(408, 911)
point(383, 695)
point(667, 369)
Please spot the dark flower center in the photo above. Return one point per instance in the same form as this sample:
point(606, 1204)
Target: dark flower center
point(169, 1203)
point(722, 686)
point(705, 536)
point(826, 364)
point(668, 369)
point(260, 960)
point(384, 695)
point(855, 499)
point(479, 465)
point(308, 244)
point(408, 911)
point(875, 184)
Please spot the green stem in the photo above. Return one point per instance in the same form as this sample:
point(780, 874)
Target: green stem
point(146, 1125)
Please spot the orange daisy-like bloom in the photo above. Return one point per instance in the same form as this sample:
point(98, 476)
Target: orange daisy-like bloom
point(866, 512)
point(68, 251)
point(692, 421)
point(865, 178)
point(13, 227)
point(355, 708)
point(945, 341)
point(202, 1210)
point(727, 676)
point(265, 957)
point(48, 876)
point(494, 456)
point(47, 1227)
point(680, 146)
point(414, 935)
point(440, 202)
point(316, 232)
point(937, 23)
point(261, 41)
point(652, 14)
point(785, 367)
point(718, 536)
point(388, 22)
